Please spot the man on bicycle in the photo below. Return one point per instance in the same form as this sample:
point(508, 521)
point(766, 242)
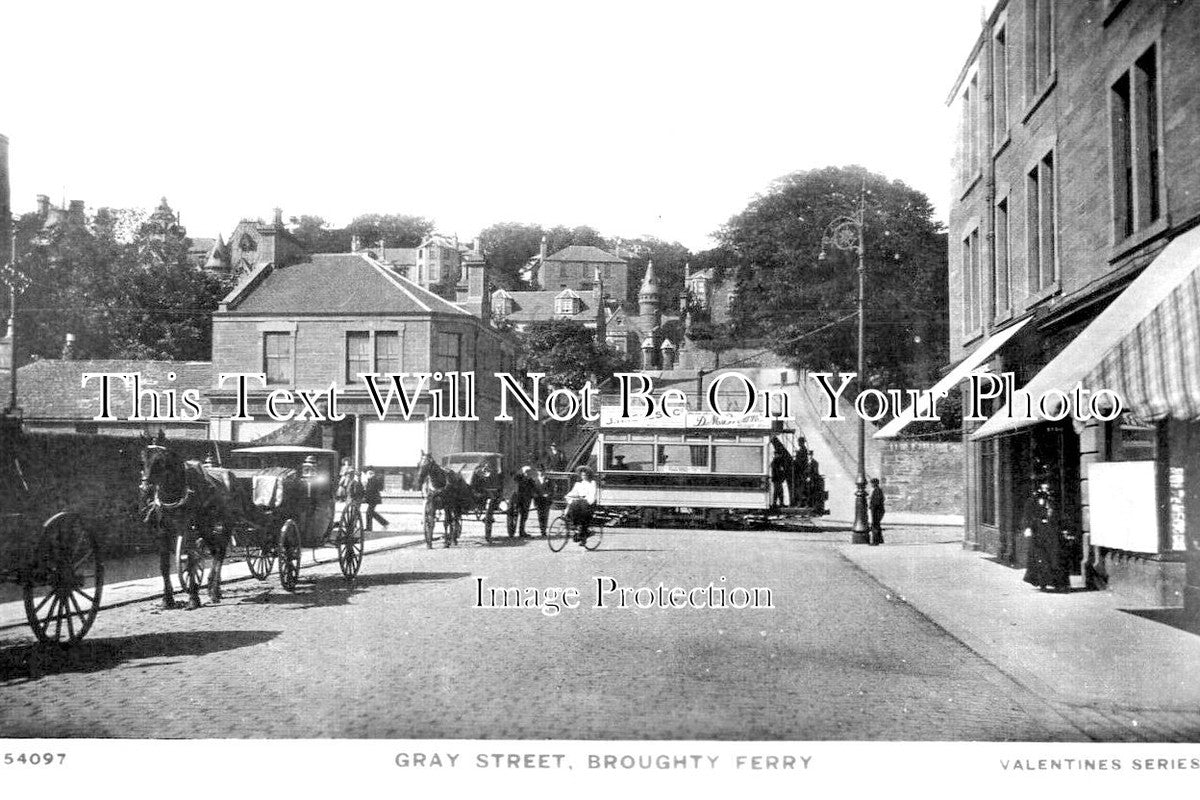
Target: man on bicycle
point(580, 502)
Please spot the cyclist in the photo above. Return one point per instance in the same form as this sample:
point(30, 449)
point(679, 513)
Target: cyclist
point(581, 500)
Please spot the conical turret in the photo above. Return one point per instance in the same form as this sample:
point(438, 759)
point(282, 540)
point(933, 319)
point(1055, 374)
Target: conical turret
point(649, 299)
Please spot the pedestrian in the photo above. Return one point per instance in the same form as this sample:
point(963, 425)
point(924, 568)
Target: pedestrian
point(781, 471)
point(541, 497)
point(799, 473)
point(875, 506)
point(1047, 566)
point(558, 461)
point(816, 487)
point(373, 496)
point(526, 491)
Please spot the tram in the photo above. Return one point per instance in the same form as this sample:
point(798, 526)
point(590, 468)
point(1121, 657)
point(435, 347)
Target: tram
point(699, 467)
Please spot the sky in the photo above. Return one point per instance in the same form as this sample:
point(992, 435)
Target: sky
point(642, 118)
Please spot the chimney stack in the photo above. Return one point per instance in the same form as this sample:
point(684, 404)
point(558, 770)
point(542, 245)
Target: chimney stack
point(278, 217)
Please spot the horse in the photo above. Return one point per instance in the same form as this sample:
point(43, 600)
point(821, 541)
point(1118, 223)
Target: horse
point(443, 490)
point(181, 498)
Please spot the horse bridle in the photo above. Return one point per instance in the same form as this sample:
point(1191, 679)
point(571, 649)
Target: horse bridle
point(157, 504)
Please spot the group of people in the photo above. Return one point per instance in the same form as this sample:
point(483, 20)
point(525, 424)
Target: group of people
point(533, 490)
point(365, 488)
point(799, 475)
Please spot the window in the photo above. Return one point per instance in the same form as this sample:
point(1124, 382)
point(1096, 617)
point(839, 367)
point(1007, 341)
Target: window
point(1001, 268)
point(1039, 47)
point(358, 354)
point(1000, 82)
point(972, 291)
point(448, 356)
point(988, 457)
point(1041, 225)
point(567, 305)
point(969, 143)
point(387, 352)
point(277, 357)
point(1135, 147)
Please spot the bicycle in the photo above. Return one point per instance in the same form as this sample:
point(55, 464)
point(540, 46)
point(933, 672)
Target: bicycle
point(561, 531)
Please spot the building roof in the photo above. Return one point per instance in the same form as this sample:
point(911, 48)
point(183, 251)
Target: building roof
point(585, 253)
point(201, 246)
point(53, 388)
point(399, 256)
point(348, 283)
point(540, 306)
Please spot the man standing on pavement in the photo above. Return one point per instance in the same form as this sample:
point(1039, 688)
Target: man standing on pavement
point(372, 496)
point(541, 497)
point(875, 506)
point(526, 491)
point(781, 471)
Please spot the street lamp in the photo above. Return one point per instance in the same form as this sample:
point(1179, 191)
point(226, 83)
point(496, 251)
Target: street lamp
point(846, 233)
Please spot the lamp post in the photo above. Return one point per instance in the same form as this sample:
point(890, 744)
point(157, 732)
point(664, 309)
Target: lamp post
point(846, 233)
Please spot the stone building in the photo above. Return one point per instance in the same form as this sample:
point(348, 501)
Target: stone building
point(254, 243)
point(322, 322)
point(1073, 254)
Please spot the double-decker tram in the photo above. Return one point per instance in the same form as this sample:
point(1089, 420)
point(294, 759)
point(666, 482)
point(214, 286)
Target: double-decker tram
point(697, 468)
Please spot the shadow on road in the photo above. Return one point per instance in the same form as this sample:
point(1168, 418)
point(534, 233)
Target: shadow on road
point(333, 590)
point(27, 663)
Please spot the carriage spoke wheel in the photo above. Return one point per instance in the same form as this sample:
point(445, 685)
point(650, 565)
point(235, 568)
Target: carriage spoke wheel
point(62, 591)
point(261, 561)
point(289, 556)
point(558, 534)
point(193, 563)
point(350, 545)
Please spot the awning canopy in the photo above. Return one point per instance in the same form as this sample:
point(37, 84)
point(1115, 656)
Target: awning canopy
point(1160, 376)
point(951, 379)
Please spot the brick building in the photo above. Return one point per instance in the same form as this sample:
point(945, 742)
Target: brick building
point(322, 322)
point(1072, 261)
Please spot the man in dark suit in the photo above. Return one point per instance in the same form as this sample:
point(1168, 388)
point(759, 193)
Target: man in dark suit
point(372, 496)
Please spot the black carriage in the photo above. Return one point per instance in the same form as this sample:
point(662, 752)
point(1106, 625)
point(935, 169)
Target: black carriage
point(284, 499)
point(490, 490)
point(56, 560)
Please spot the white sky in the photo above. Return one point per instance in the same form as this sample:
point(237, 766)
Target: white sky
point(637, 118)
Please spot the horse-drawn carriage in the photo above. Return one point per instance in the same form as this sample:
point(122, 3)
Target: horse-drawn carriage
point(464, 483)
point(56, 561)
point(273, 502)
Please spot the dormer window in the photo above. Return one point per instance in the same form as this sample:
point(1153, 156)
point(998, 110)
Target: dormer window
point(567, 305)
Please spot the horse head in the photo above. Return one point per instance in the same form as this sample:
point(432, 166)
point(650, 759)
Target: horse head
point(428, 470)
point(163, 478)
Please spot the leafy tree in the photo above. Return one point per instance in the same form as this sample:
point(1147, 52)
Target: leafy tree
point(561, 236)
point(788, 292)
point(396, 230)
point(507, 248)
point(316, 236)
point(716, 337)
point(668, 257)
point(567, 352)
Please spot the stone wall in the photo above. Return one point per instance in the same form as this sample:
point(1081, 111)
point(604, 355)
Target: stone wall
point(923, 477)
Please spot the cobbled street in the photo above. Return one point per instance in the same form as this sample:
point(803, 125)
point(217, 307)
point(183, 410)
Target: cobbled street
point(403, 652)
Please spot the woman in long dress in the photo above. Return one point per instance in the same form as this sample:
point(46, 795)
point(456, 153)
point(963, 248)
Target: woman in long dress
point(1047, 568)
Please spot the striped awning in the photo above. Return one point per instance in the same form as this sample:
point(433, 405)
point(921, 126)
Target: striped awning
point(1156, 367)
point(1147, 336)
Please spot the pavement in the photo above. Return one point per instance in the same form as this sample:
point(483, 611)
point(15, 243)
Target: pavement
point(1112, 670)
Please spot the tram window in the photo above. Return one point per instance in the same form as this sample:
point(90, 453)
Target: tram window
point(683, 458)
point(697, 438)
point(617, 437)
point(670, 437)
point(737, 459)
point(636, 457)
point(641, 437)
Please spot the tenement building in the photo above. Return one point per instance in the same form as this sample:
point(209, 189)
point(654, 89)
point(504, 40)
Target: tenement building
point(1073, 262)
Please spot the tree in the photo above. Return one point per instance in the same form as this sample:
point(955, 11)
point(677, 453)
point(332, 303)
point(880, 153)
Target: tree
point(787, 293)
point(507, 248)
point(395, 230)
point(716, 337)
point(315, 235)
point(567, 352)
point(668, 258)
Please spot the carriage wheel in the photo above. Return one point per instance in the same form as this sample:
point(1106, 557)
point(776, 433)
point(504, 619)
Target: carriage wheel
point(289, 556)
point(62, 591)
point(430, 521)
point(350, 545)
point(193, 562)
point(558, 534)
point(261, 561)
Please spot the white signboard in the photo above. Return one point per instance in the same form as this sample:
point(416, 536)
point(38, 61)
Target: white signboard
point(610, 417)
point(393, 443)
point(1123, 505)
